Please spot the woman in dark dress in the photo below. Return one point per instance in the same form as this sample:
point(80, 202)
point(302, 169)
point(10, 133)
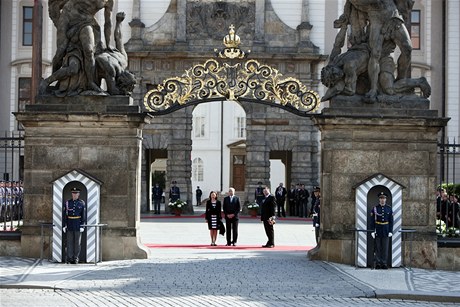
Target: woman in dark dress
point(213, 216)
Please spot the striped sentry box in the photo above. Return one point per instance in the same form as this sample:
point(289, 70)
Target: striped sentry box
point(362, 215)
point(92, 208)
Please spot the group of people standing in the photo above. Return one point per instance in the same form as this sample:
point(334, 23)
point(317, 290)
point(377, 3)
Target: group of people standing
point(270, 205)
point(299, 204)
point(213, 216)
point(11, 200)
point(231, 209)
point(157, 195)
point(447, 208)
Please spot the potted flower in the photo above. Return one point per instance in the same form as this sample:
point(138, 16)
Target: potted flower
point(441, 228)
point(253, 208)
point(177, 206)
point(452, 232)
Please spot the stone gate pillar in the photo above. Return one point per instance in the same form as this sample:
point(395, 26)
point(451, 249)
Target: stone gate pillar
point(179, 165)
point(97, 134)
point(359, 140)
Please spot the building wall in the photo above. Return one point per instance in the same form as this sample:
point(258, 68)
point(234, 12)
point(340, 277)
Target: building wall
point(5, 59)
point(209, 147)
point(453, 68)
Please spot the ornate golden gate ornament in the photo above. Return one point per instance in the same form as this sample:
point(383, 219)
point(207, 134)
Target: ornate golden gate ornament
point(233, 80)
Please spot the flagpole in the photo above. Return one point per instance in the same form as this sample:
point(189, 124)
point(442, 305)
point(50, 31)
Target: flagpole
point(37, 35)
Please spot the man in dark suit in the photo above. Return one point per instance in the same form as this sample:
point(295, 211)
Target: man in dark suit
point(280, 195)
point(198, 194)
point(303, 201)
point(291, 196)
point(267, 216)
point(232, 209)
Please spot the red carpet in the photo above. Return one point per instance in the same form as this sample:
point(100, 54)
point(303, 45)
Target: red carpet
point(153, 216)
point(238, 247)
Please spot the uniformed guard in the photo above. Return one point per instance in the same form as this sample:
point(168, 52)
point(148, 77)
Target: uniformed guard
point(157, 194)
point(316, 211)
point(15, 200)
point(259, 194)
point(21, 200)
point(74, 216)
point(2, 201)
point(8, 201)
point(174, 192)
point(382, 224)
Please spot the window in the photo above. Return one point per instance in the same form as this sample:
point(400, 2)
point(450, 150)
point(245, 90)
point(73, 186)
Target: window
point(199, 126)
point(27, 14)
point(415, 29)
point(23, 95)
point(197, 169)
point(240, 132)
point(239, 160)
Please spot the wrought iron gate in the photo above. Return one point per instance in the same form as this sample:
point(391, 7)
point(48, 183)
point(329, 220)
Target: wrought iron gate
point(449, 161)
point(11, 190)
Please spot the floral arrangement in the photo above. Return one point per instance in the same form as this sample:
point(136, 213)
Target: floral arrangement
point(453, 232)
point(177, 205)
point(253, 206)
point(440, 227)
point(443, 231)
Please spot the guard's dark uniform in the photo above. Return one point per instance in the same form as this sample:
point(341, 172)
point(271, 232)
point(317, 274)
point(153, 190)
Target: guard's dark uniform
point(74, 216)
point(316, 213)
point(157, 194)
point(174, 192)
point(382, 223)
point(259, 195)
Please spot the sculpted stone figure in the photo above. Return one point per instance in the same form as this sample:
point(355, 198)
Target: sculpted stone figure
point(81, 62)
point(378, 24)
point(341, 75)
point(384, 22)
point(112, 65)
point(76, 23)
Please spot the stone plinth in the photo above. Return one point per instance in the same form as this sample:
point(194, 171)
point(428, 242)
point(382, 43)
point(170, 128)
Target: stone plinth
point(99, 135)
point(357, 143)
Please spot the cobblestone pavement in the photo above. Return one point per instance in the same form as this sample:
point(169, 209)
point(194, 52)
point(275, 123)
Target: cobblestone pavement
point(195, 274)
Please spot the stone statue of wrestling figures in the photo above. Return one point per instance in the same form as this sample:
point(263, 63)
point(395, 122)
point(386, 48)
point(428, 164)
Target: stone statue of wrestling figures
point(81, 61)
point(367, 70)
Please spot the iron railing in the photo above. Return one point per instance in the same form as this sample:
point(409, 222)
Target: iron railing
point(11, 190)
point(447, 207)
point(449, 161)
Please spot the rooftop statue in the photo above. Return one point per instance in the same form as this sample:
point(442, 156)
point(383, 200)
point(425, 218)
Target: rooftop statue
point(367, 68)
point(81, 61)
